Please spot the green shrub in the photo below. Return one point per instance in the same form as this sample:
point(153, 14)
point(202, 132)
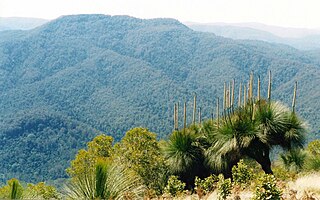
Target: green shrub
point(314, 148)
point(241, 174)
point(313, 163)
point(293, 159)
point(267, 188)
point(174, 186)
point(13, 190)
point(283, 174)
point(224, 187)
point(313, 156)
point(206, 185)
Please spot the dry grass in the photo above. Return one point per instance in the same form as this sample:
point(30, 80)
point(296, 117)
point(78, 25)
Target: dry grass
point(306, 185)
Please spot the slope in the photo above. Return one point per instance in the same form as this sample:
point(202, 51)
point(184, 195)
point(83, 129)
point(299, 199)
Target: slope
point(112, 73)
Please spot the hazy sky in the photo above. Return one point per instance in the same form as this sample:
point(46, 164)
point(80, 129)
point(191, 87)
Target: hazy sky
point(290, 13)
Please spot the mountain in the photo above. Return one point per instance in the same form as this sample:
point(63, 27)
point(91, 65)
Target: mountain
point(20, 23)
point(303, 39)
point(74, 77)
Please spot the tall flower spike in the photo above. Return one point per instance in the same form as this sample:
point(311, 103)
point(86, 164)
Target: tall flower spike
point(239, 99)
point(294, 96)
point(224, 96)
point(184, 115)
point(244, 95)
point(194, 109)
point(218, 112)
point(229, 97)
point(232, 94)
point(269, 87)
point(251, 86)
point(258, 93)
point(177, 113)
point(199, 115)
point(174, 117)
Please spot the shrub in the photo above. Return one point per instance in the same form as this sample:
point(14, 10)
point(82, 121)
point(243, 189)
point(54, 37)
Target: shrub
point(174, 186)
point(206, 185)
point(224, 187)
point(313, 163)
point(241, 174)
point(283, 174)
point(267, 188)
point(13, 190)
point(313, 156)
point(293, 159)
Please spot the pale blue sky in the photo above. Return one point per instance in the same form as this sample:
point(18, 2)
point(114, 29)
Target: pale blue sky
point(289, 13)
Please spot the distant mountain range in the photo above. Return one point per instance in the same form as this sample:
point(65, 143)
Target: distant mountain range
point(20, 23)
point(304, 39)
point(72, 78)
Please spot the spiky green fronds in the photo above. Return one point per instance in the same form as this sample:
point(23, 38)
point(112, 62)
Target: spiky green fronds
point(108, 181)
point(182, 151)
point(293, 159)
point(235, 133)
point(15, 189)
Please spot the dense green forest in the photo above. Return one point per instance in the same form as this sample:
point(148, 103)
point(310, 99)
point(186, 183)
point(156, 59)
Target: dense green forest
point(74, 77)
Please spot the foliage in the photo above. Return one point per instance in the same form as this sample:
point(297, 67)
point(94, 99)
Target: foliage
point(251, 131)
point(40, 191)
point(267, 188)
point(206, 185)
point(314, 148)
point(140, 151)
point(284, 174)
point(100, 148)
point(107, 181)
point(184, 156)
point(43, 143)
point(13, 190)
point(224, 187)
point(313, 156)
point(293, 159)
point(174, 186)
point(241, 174)
point(130, 76)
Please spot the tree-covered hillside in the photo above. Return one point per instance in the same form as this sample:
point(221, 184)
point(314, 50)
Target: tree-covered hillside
point(308, 41)
point(112, 73)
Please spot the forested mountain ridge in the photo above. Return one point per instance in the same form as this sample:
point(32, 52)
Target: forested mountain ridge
point(112, 73)
point(308, 41)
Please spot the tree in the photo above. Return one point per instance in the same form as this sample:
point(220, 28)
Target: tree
point(252, 130)
point(99, 148)
point(185, 156)
point(140, 151)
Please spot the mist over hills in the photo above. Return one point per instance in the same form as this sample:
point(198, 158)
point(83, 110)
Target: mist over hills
point(77, 76)
point(303, 39)
point(20, 23)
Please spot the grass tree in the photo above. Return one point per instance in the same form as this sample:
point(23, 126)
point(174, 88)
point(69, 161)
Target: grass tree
point(236, 132)
point(277, 126)
point(185, 156)
point(253, 130)
point(107, 181)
